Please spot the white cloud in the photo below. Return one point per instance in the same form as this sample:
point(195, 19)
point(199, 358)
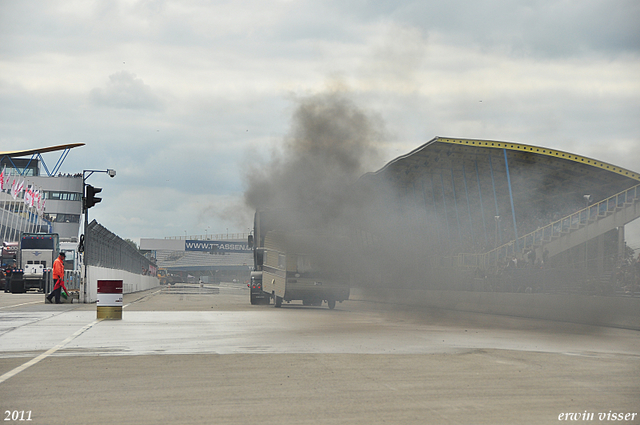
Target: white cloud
point(124, 90)
point(174, 95)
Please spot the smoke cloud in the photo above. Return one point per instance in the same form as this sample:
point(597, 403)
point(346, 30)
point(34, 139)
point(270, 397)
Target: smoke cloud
point(404, 228)
point(331, 143)
point(314, 182)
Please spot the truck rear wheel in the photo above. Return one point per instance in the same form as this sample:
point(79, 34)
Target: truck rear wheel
point(331, 303)
point(277, 301)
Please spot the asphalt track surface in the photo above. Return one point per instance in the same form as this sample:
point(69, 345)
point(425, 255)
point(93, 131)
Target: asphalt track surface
point(191, 355)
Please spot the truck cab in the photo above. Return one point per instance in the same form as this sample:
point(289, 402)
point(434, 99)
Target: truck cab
point(36, 254)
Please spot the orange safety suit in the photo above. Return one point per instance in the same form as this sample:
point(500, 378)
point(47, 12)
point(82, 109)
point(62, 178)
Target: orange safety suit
point(58, 275)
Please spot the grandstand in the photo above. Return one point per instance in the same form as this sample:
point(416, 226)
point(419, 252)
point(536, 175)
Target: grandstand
point(473, 208)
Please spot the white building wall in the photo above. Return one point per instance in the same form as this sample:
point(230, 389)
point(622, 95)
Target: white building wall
point(62, 184)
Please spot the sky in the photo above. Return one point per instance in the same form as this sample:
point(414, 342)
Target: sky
point(181, 98)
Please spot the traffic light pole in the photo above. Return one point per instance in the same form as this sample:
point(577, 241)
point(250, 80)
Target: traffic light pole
point(85, 210)
point(84, 244)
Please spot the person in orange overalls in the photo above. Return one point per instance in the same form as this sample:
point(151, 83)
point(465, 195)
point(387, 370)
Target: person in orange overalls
point(58, 278)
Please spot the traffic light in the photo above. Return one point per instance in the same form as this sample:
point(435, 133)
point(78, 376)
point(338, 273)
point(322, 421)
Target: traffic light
point(90, 198)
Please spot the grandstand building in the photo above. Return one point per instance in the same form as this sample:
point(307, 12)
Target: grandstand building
point(474, 211)
point(60, 195)
point(211, 258)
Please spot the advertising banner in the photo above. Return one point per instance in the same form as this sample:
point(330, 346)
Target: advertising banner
point(216, 246)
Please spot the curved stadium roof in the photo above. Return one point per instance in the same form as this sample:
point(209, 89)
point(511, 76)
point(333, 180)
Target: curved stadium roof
point(559, 167)
point(462, 184)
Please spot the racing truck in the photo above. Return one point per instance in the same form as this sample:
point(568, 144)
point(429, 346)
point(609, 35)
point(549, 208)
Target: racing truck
point(36, 254)
point(300, 264)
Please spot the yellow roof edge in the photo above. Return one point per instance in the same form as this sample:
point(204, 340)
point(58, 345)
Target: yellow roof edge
point(541, 151)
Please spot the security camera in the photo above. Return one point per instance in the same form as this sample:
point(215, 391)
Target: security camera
point(112, 173)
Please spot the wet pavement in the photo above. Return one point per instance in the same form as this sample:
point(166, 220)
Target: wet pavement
point(191, 354)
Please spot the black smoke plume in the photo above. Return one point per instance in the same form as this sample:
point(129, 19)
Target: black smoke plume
point(331, 143)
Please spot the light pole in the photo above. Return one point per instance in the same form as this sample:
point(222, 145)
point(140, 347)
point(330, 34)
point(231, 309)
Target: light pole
point(85, 209)
point(587, 199)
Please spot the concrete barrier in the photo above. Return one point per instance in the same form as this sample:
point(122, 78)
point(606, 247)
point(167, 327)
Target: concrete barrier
point(130, 282)
point(622, 312)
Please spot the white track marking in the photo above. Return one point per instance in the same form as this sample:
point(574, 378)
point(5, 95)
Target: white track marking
point(47, 353)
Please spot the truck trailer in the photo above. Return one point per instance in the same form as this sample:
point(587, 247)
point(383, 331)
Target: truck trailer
point(299, 264)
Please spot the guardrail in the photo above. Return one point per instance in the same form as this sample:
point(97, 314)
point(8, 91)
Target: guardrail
point(553, 230)
point(72, 279)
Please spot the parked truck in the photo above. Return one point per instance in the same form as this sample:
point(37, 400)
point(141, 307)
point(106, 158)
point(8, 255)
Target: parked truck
point(295, 264)
point(9, 253)
point(35, 257)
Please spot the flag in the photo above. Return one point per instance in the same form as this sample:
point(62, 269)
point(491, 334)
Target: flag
point(19, 187)
point(2, 176)
point(32, 196)
point(28, 196)
point(38, 201)
point(14, 188)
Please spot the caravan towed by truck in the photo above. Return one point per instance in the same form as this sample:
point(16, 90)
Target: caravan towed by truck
point(299, 264)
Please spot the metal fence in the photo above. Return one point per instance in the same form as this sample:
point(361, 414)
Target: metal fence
point(105, 249)
point(72, 279)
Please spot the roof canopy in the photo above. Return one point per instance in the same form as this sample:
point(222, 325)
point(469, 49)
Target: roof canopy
point(465, 186)
point(27, 152)
point(35, 155)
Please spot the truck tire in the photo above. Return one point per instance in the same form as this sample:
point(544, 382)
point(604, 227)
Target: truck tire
point(18, 287)
point(277, 301)
point(331, 303)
